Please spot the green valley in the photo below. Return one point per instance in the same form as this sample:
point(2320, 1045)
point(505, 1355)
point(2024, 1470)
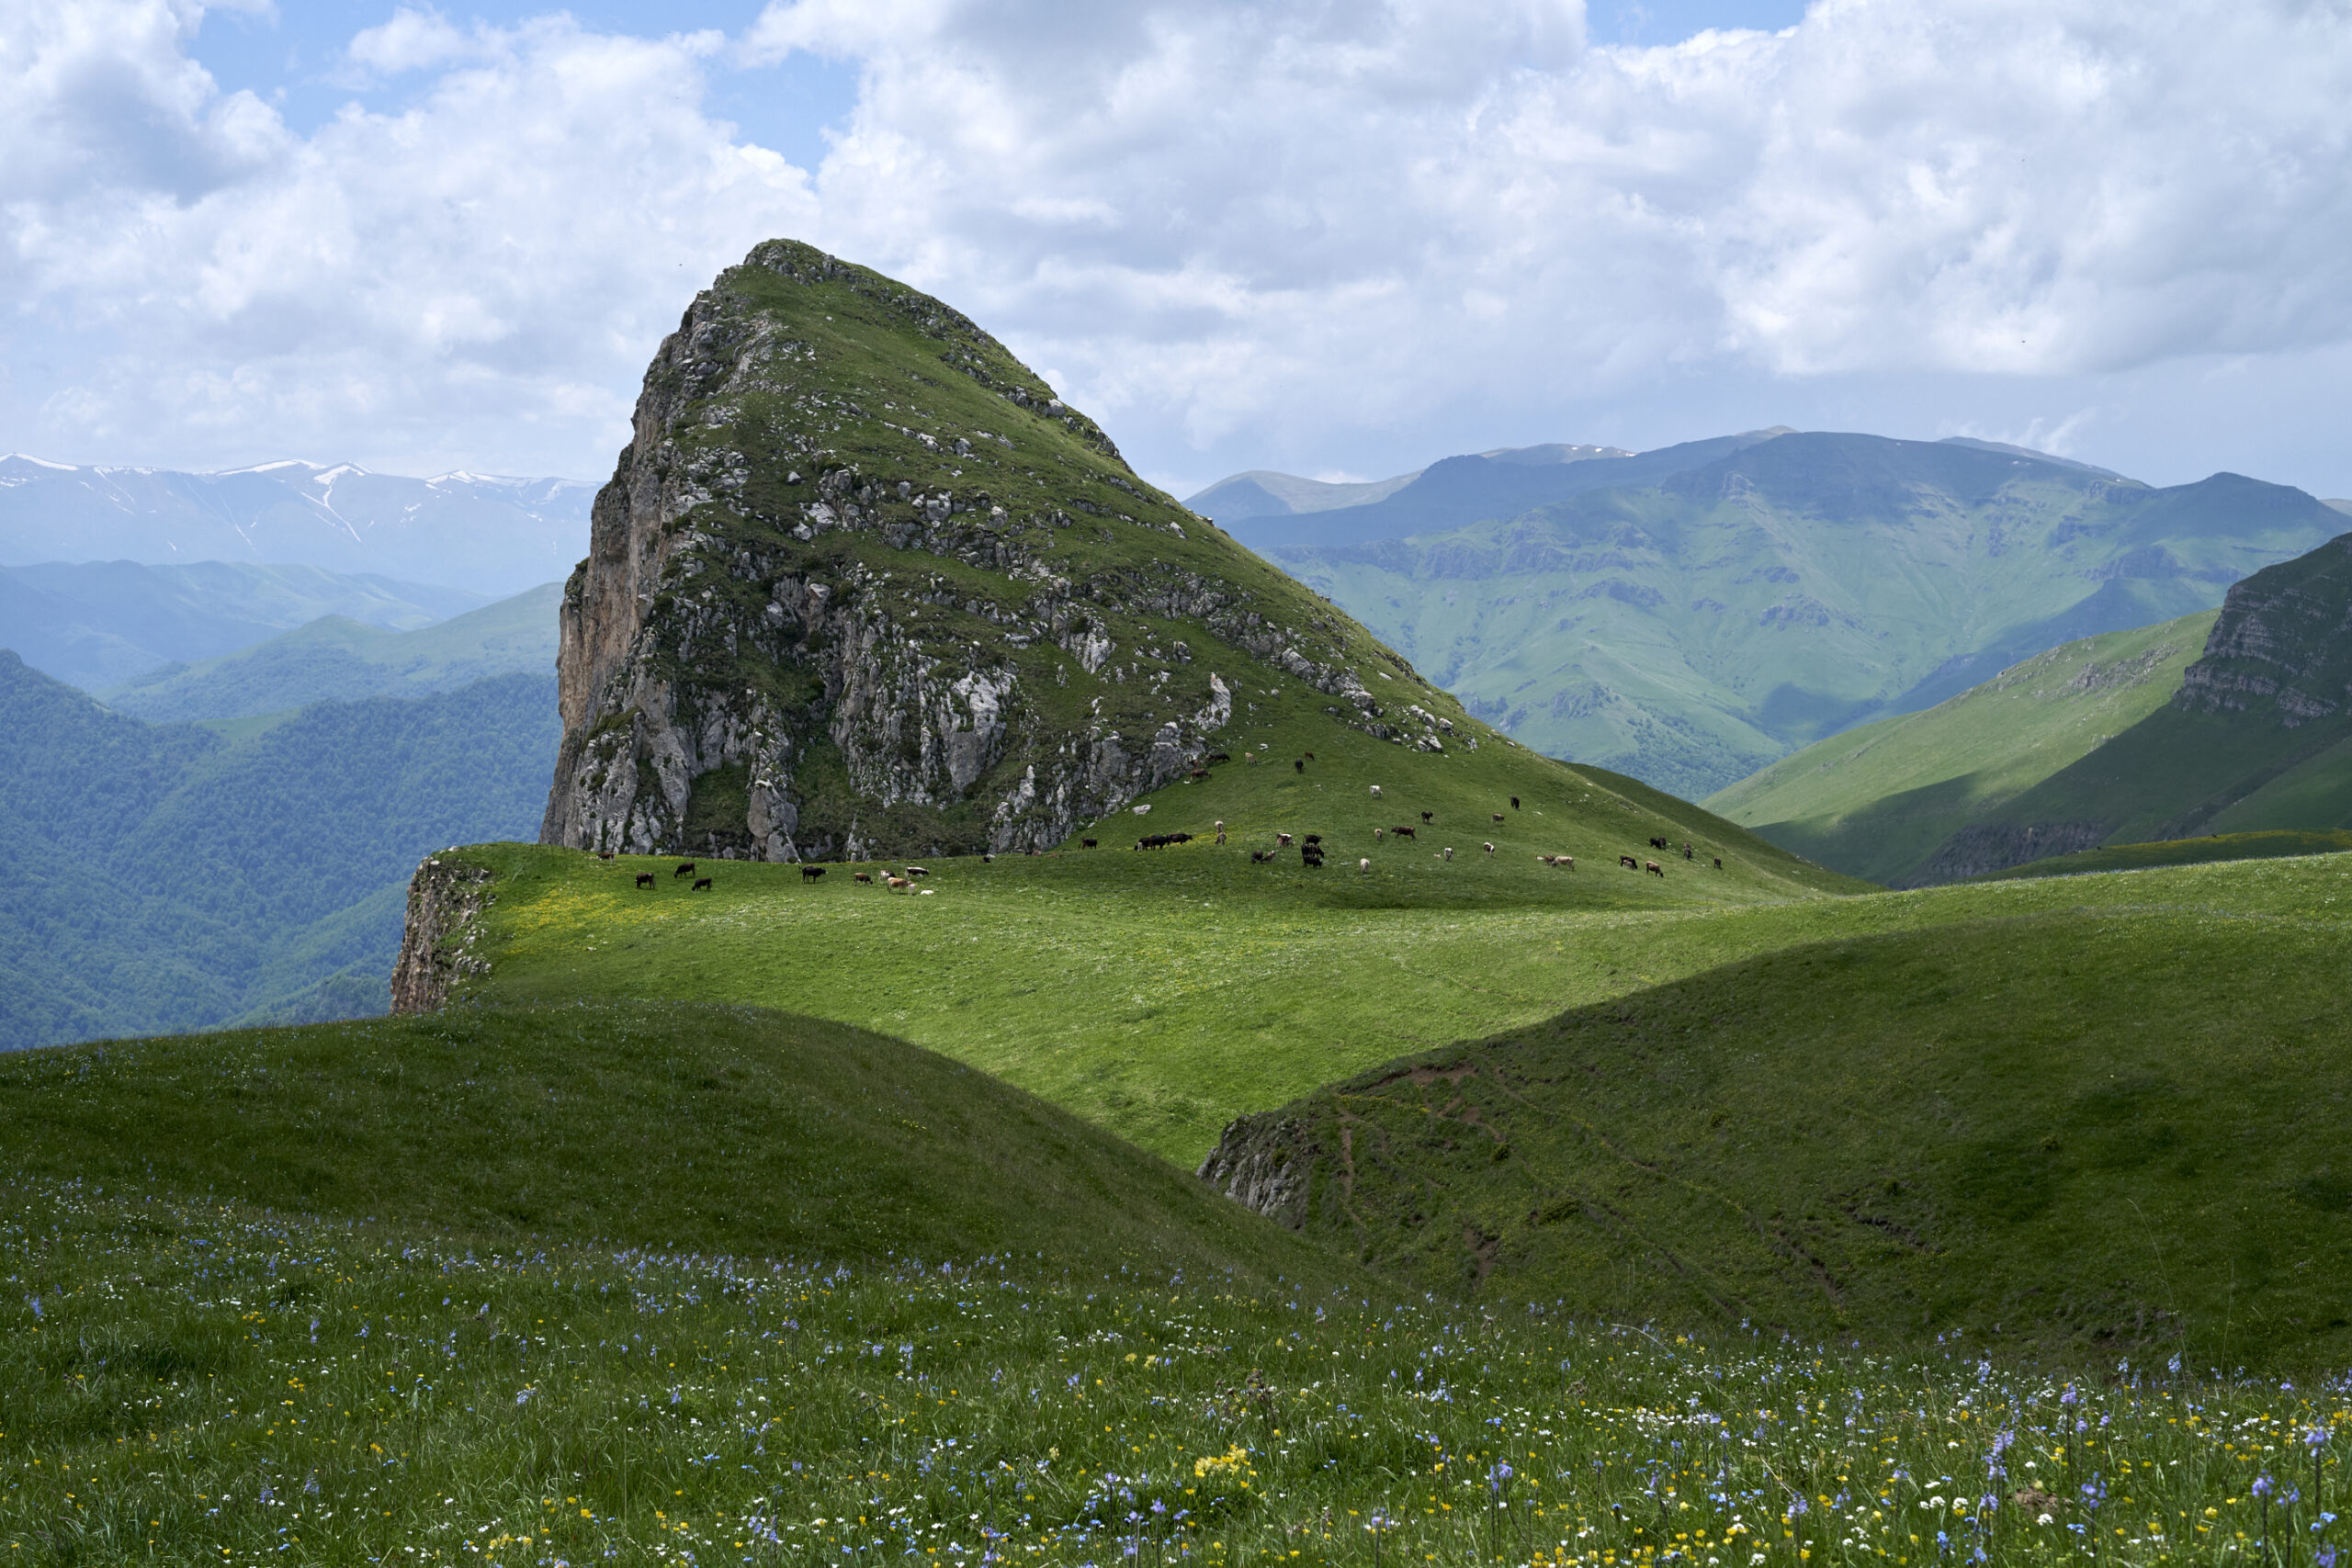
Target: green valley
point(1878, 801)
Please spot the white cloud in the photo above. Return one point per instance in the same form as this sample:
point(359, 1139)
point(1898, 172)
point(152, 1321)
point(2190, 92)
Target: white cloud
point(1237, 227)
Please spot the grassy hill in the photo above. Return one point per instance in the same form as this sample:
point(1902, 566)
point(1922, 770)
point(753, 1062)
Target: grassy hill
point(676, 1128)
point(1877, 801)
point(2273, 845)
point(1691, 627)
point(335, 658)
point(2064, 1131)
point(171, 876)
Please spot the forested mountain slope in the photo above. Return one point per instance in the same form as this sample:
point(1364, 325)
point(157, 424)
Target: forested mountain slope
point(166, 876)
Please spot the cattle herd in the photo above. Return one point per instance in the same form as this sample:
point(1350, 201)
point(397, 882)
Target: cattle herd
point(1310, 846)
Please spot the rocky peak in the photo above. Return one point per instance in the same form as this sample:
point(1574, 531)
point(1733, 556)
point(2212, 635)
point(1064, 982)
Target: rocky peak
point(863, 584)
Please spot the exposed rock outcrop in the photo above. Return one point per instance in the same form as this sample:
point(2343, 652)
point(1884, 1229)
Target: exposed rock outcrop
point(1263, 1162)
point(443, 896)
point(861, 584)
point(1996, 846)
point(2283, 643)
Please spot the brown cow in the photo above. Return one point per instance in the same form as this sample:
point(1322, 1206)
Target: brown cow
point(865, 877)
point(896, 884)
point(1404, 832)
point(686, 870)
point(645, 879)
point(1654, 868)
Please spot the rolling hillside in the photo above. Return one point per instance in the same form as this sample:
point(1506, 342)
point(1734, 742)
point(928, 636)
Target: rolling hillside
point(1693, 628)
point(338, 659)
point(1879, 800)
point(2057, 1132)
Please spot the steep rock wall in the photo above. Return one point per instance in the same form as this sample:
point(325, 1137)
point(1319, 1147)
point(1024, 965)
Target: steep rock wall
point(443, 896)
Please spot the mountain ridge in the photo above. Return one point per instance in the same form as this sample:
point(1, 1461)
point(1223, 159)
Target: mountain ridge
point(1694, 629)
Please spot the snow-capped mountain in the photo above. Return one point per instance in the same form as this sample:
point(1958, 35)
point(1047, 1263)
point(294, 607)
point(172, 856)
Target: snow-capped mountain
point(485, 534)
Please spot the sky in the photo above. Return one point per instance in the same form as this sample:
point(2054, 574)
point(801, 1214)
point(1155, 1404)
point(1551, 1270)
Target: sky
point(1339, 238)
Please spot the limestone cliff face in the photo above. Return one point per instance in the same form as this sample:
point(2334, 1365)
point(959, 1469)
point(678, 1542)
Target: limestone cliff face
point(443, 896)
point(2283, 644)
point(861, 585)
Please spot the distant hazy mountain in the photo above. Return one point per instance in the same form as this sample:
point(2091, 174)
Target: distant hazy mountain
point(167, 877)
point(339, 658)
point(94, 623)
point(1471, 489)
point(1689, 621)
point(1263, 493)
point(486, 536)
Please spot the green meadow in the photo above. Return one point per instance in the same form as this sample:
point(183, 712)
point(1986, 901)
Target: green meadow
point(497, 1286)
point(1161, 993)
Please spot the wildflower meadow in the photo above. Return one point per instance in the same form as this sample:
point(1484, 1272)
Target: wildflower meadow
point(186, 1381)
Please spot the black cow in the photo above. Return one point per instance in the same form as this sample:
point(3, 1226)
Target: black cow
point(1299, 763)
point(1087, 843)
point(1426, 815)
point(1514, 803)
point(1686, 852)
point(811, 873)
point(645, 879)
point(1658, 843)
point(1719, 863)
point(701, 885)
point(686, 870)
point(1312, 838)
point(1213, 758)
point(1629, 863)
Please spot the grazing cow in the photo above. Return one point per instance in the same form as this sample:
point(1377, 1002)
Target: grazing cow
point(1215, 757)
point(701, 884)
point(645, 879)
point(1086, 843)
point(987, 859)
point(1375, 792)
point(1405, 832)
point(1687, 855)
point(1262, 857)
point(1658, 843)
point(1499, 816)
point(1283, 838)
point(865, 877)
point(917, 871)
point(1312, 838)
point(1652, 868)
point(1490, 849)
point(1449, 851)
point(1426, 815)
point(603, 855)
point(811, 873)
point(1299, 763)
point(896, 884)
point(1565, 862)
point(1376, 835)
point(1719, 863)
point(1629, 863)
point(1364, 866)
point(686, 870)
point(1197, 774)
point(1514, 803)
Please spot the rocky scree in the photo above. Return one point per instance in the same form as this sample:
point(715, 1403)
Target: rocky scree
point(862, 585)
